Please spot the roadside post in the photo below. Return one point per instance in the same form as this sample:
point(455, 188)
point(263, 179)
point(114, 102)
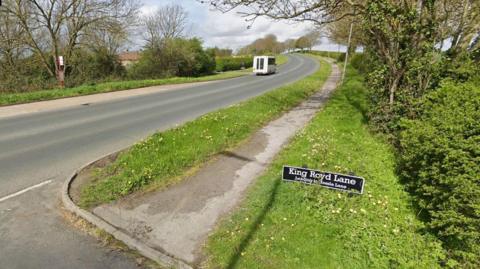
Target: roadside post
point(60, 70)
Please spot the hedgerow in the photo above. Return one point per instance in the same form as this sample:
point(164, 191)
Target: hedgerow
point(233, 63)
point(440, 162)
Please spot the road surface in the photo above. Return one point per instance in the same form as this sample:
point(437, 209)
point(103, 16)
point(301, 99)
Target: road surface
point(39, 151)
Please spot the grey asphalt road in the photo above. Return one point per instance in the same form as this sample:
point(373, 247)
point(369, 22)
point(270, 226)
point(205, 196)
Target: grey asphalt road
point(38, 151)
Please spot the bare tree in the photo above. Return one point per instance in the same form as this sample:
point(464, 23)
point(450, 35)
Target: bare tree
point(313, 37)
point(11, 40)
point(320, 12)
point(289, 44)
point(56, 27)
point(166, 23)
point(460, 20)
point(339, 32)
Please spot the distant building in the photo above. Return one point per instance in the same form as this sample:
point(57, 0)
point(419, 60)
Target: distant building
point(129, 57)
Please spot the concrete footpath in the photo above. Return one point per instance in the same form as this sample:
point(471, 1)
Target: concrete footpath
point(175, 222)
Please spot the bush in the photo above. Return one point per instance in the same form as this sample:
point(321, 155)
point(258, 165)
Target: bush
point(93, 67)
point(329, 54)
point(233, 63)
point(440, 161)
point(24, 76)
point(174, 57)
point(360, 61)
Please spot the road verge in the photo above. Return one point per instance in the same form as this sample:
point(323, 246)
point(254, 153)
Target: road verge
point(283, 224)
point(135, 172)
point(141, 247)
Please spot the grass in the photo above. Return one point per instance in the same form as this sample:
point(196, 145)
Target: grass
point(281, 59)
point(51, 94)
point(43, 95)
point(291, 225)
point(163, 158)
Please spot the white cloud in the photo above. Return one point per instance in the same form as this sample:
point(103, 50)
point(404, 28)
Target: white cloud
point(228, 30)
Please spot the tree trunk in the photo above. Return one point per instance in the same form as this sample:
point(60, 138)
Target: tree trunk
point(393, 87)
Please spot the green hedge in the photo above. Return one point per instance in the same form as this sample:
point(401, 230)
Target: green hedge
point(233, 63)
point(329, 54)
point(440, 161)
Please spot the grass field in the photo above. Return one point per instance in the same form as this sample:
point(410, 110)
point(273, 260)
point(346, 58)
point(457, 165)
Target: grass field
point(163, 158)
point(291, 225)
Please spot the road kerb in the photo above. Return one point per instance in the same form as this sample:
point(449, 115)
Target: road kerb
point(133, 243)
point(145, 250)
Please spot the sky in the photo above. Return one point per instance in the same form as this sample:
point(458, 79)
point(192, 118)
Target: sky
point(230, 30)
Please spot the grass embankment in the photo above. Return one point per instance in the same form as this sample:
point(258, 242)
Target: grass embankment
point(161, 159)
point(51, 94)
point(291, 225)
point(281, 59)
point(43, 95)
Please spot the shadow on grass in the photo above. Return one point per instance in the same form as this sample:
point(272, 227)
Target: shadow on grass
point(254, 227)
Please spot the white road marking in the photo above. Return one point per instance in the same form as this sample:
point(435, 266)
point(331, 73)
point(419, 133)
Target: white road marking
point(24, 190)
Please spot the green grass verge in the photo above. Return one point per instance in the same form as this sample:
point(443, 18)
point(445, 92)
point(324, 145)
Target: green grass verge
point(281, 59)
point(161, 159)
point(291, 225)
point(43, 95)
point(51, 94)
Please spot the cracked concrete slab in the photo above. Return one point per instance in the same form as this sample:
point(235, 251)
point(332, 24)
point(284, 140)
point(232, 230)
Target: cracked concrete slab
point(177, 220)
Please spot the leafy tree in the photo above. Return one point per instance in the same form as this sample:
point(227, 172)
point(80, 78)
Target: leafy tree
point(266, 45)
point(174, 57)
point(399, 35)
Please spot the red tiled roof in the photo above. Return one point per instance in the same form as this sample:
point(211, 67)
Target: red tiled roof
point(129, 56)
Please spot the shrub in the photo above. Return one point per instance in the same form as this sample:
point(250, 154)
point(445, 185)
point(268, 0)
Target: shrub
point(23, 76)
point(361, 62)
point(93, 66)
point(233, 63)
point(174, 57)
point(440, 162)
point(329, 54)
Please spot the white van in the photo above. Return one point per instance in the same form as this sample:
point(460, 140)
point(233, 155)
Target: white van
point(264, 65)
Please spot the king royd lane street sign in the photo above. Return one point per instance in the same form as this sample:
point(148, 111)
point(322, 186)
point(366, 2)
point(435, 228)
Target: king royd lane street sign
point(326, 179)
